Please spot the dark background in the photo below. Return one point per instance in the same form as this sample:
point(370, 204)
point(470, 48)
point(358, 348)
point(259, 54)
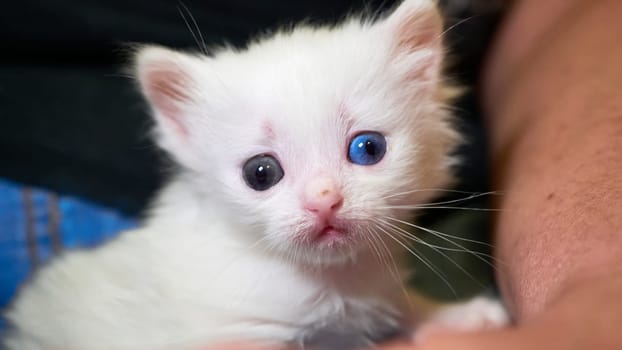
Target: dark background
point(72, 122)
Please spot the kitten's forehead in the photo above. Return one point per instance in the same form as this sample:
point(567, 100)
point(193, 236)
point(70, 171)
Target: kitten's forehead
point(309, 71)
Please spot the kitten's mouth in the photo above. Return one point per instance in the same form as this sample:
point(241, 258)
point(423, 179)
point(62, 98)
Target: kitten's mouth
point(330, 232)
point(331, 235)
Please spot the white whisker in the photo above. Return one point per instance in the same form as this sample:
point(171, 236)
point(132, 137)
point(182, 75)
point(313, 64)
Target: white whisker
point(442, 236)
point(442, 190)
point(421, 258)
point(472, 196)
point(421, 207)
point(393, 269)
point(201, 44)
point(418, 240)
point(452, 27)
point(422, 241)
point(373, 248)
point(390, 265)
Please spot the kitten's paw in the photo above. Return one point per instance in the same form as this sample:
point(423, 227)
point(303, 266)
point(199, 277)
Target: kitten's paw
point(476, 314)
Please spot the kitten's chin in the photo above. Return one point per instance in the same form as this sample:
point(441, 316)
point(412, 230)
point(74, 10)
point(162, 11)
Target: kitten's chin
point(329, 247)
point(325, 258)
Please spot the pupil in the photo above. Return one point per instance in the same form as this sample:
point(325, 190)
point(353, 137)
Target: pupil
point(261, 174)
point(366, 148)
point(370, 148)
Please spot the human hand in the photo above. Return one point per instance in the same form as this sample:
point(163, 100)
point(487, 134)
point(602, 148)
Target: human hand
point(587, 316)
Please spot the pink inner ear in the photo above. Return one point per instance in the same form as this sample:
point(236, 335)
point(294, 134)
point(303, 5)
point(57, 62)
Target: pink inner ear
point(168, 89)
point(417, 31)
point(417, 27)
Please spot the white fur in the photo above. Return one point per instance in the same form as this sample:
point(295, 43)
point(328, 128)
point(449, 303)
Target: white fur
point(478, 313)
point(218, 260)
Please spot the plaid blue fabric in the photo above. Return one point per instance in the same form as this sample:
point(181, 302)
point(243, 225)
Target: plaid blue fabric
point(36, 224)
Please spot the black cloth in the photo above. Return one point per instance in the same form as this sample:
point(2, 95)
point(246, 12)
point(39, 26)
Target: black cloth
point(71, 122)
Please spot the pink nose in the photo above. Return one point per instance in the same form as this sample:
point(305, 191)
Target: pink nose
point(322, 197)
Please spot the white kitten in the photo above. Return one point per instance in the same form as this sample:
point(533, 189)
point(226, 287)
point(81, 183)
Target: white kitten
point(292, 153)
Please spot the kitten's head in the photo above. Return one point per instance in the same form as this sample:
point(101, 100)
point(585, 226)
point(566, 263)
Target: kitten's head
point(311, 136)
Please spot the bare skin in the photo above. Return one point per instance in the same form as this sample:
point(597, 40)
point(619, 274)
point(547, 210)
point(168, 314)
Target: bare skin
point(557, 138)
point(553, 95)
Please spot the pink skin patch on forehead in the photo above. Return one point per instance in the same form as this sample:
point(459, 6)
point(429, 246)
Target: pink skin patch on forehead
point(268, 129)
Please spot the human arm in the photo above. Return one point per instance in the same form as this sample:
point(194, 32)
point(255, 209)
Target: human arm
point(552, 94)
point(555, 115)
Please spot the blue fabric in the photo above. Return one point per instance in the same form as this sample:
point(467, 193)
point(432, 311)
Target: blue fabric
point(36, 224)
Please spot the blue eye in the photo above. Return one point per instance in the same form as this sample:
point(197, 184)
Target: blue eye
point(367, 148)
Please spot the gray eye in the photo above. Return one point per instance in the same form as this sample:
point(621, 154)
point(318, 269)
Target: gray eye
point(262, 172)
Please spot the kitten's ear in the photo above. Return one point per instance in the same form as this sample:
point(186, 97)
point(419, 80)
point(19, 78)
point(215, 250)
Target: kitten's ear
point(415, 30)
point(168, 79)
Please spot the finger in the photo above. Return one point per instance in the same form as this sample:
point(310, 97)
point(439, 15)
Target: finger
point(397, 346)
point(493, 340)
point(506, 339)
